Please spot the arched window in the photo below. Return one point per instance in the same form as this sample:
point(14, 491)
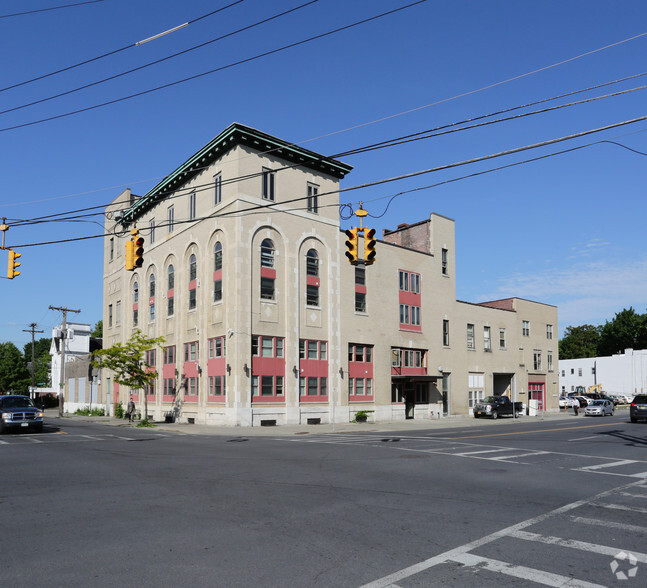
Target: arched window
point(268, 273)
point(170, 295)
point(217, 272)
point(267, 253)
point(193, 274)
point(135, 292)
point(312, 263)
point(151, 284)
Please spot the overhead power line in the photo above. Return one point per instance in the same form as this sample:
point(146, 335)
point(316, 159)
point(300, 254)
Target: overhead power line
point(47, 9)
point(115, 51)
point(177, 193)
point(212, 71)
point(161, 60)
point(271, 206)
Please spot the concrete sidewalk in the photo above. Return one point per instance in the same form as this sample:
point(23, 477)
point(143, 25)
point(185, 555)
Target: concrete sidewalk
point(355, 428)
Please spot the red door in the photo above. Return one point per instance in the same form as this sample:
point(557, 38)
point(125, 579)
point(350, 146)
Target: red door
point(537, 392)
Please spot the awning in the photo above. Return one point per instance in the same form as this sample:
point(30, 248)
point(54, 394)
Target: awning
point(415, 378)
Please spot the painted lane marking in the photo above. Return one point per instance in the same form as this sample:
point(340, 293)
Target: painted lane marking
point(613, 464)
point(584, 438)
point(635, 509)
point(614, 525)
point(522, 572)
point(538, 431)
point(574, 544)
point(424, 565)
point(467, 453)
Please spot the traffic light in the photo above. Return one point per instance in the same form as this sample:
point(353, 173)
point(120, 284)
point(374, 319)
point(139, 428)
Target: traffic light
point(13, 264)
point(351, 244)
point(369, 246)
point(130, 255)
point(138, 248)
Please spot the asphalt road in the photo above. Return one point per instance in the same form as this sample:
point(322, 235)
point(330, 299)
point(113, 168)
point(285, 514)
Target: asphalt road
point(550, 502)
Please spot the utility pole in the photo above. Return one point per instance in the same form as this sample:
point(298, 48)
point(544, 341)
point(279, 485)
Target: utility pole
point(61, 390)
point(33, 359)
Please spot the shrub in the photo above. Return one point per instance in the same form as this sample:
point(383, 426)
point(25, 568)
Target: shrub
point(119, 411)
point(85, 411)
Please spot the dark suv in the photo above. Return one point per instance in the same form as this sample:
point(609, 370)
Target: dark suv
point(19, 412)
point(638, 408)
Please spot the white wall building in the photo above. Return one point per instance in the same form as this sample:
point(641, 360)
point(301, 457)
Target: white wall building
point(81, 388)
point(622, 373)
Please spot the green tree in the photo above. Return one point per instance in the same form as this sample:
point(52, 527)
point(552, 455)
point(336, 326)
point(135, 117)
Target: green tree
point(579, 342)
point(43, 360)
point(628, 329)
point(98, 330)
point(127, 362)
point(14, 376)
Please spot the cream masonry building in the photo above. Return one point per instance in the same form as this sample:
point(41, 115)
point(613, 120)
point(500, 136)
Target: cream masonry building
point(266, 322)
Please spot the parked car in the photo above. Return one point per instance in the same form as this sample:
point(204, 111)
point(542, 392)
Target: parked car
point(19, 412)
point(599, 408)
point(496, 406)
point(638, 408)
point(565, 401)
point(583, 400)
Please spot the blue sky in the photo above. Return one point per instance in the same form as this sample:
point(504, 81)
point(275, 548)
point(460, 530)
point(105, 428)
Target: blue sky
point(567, 230)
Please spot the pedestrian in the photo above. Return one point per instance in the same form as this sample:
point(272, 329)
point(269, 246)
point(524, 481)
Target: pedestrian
point(130, 411)
point(576, 406)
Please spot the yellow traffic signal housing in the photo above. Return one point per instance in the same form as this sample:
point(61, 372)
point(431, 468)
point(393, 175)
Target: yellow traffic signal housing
point(130, 255)
point(351, 245)
point(138, 253)
point(369, 246)
point(13, 264)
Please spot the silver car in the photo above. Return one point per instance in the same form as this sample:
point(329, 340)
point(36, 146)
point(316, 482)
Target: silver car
point(599, 408)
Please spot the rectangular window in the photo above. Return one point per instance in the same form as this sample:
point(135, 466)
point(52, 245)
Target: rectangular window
point(312, 295)
point(217, 290)
point(360, 276)
point(112, 248)
point(170, 218)
point(537, 359)
point(487, 345)
point(549, 331)
point(404, 281)
point(470, 336)
point(268, 184)
point(151, 226)
point(118, 313)
point(169, 355)
point(216, 347)
point(445, 333)
point(525, 328)
point(313, 198)
point(217, 189)
point(169, 386)
point(267, 347)
point(191, 351)
point(135, 316)
point(110, 315)
point(192, 298)
point(444, 262)
point(360, 302)
point(501, 338)
point(267, 288)
point(192, 205)
point(170, 306)
point(216, 385)
point(151, 311)
point(549, 360)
